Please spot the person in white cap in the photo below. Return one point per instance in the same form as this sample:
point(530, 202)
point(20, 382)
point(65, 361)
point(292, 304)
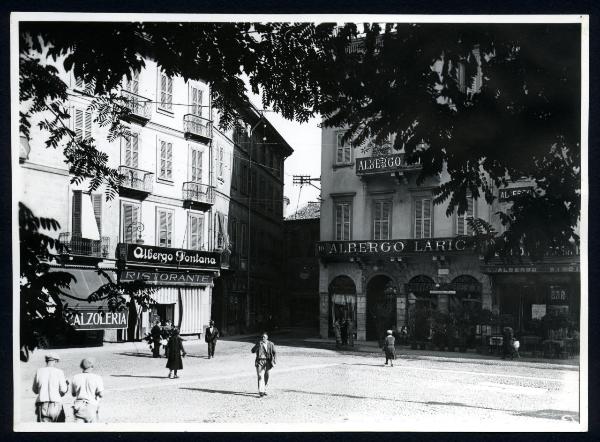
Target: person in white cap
point(87, 389)
point(50, 386)
point(389, 348)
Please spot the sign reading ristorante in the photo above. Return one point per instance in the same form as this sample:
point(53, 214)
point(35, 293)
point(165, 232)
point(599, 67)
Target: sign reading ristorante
point(394, 246)
point(168, 278)
point(386, 163)
point(166, 256)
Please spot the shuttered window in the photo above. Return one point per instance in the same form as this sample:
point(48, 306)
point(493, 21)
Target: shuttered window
point(343, 211)
point(76, 215)
point(196, 165)
point(131, 151)
point(166, 160)
point(130, 214)
point(220, 161)
point(165, 227)
point(133, 84)
point(195, 101)
point(462, 224)
point(195, 232)
point(97, 204)
point(422, 227)
point(382, 211)
point(343, 150)
point(243, 249)
point(166, 92)
point(83, 124)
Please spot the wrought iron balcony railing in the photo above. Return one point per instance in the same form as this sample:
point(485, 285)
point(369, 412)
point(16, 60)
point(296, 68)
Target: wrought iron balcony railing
point(138, 106)
point(136, 179)
point(197, 127)
point(198, 193)
point(76, 245)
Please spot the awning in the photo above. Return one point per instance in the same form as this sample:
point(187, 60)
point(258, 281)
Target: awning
point(86, 282)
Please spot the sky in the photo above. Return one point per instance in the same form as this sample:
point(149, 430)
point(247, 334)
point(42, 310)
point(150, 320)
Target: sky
point(305, 139)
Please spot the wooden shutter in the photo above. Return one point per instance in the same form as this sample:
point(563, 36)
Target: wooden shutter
point(340, 149)
point(76, 216)
point(196, 101)
point(196, 166)
point(346, 222)
point(97, 203)
point(169, 92)
point(78, 124)
point(163, 90)
point(419, 218)
point(427, 218)
point(130, 219)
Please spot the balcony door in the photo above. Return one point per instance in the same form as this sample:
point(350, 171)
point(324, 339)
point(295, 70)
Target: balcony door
point(131, 151)
point(195, 101)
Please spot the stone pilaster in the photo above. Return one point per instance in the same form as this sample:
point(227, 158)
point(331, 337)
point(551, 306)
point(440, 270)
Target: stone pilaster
point(324, 315)
point(361, 317)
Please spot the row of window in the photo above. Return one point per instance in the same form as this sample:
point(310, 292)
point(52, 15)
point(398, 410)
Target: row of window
point(422, 219)
point(265, 195)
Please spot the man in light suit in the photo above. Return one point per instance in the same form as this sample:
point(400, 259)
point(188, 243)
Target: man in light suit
point(265, 359)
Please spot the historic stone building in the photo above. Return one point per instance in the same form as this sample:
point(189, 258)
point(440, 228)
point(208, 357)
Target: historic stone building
point(385, 249)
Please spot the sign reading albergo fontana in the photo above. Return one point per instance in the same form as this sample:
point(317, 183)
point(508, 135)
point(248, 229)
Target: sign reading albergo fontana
point(394, 246)
point(167, 256)
point(94, 319)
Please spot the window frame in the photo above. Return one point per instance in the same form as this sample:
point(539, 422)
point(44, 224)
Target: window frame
point(416, 199)
point(167, 106)
point(122, 231)
point(458, 219)
point(342, 202)
point(343, 162)
point(159, 175)
point(379, 223)
point(158, 229)
point(199, 217)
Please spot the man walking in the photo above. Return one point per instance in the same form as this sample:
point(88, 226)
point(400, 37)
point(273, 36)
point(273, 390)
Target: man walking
point(50, 385)
point(265, 359)
point(87, 389)
point(210, 337)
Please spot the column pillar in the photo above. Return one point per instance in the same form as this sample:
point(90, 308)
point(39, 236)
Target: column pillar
point(361, 317)
point(401, 316)
point(324, 315)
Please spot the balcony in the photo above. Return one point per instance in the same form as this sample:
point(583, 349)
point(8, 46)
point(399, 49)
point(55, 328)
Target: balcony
point(135, 183)
point(198, 196)
point(197, 128)
point(393, 165)
point(77, 246)
point(139, 108)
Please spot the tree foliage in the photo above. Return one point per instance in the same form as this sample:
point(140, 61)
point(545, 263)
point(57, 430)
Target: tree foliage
point(413, 81)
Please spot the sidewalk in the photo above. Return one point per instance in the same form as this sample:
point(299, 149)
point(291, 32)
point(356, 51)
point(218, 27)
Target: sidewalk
point(406, 352)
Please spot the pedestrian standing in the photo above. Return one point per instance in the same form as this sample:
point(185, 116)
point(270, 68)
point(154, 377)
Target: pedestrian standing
point(50, 385)
point(389, 347)
point(155, 333)
point(175, 352)
point(508, 339)
point(210, 337)
point(167, 329)
point(337, 331)
point(87, 388)
point(265, 360)
point(350, 332)
point(344, 332)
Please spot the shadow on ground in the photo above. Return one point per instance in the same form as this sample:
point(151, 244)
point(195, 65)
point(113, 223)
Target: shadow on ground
point(208, 390)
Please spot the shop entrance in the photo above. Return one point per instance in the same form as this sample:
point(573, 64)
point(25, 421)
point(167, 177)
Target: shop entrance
point(342, 302)
point(381, 307)
point(162, 313)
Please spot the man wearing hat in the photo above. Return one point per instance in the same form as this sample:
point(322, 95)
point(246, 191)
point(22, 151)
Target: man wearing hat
point(50, 385)
point(389, 348)
point(87, 389)
point(210, 337)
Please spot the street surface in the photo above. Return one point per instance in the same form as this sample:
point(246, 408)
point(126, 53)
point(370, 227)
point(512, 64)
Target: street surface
point(317, 385)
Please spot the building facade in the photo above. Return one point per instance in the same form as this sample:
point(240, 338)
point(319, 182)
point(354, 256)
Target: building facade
point(254, 282)
point(386, 251)
point(167, 225)
point(301, 293)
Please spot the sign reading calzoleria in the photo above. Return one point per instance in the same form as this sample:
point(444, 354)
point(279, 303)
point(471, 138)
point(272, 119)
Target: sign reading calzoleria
point(394, 246)
point(166, 256)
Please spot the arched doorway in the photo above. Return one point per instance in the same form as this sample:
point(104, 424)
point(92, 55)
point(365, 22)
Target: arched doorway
point(342, 301)
point(468, 295)
point(421, 304)
point(381, 306)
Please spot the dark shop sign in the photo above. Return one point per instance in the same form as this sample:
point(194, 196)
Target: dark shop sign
point(386, 163)
point(534, 268)
point(98, 320)
point(168, 278)
point(508, 194)
point(167, 256)
point(394, 246)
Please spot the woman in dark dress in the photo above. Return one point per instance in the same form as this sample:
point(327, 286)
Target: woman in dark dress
point(175, 352)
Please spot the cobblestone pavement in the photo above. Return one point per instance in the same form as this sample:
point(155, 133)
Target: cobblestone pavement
point(318, 386)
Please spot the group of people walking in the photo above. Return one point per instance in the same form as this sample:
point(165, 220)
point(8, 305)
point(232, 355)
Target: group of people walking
point(50, 385)
point(175, 352)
